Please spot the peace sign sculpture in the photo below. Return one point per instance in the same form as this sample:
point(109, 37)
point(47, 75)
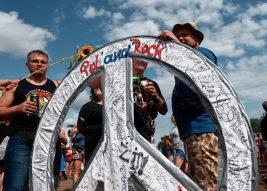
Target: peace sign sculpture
point(123, 158)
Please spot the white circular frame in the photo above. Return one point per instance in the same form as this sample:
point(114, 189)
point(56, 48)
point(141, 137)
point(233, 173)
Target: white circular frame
point(115, 158)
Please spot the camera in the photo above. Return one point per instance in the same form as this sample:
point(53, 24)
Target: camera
point(136, 80)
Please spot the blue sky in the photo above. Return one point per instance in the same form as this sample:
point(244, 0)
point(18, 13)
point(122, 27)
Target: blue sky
point(236, 31)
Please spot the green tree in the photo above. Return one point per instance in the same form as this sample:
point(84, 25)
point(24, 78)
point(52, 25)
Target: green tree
point(255, 124)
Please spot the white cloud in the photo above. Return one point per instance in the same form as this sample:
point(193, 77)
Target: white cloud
point(149, 15)
point(262, 33)
point(229, 9)
point(249, 39)
point(165, 81)
point(230, 66)
point(82, 99)
point(226, 47)
point(91, 12)
point(260, 9)
point(175, 11)
point(247, 77)
point(231, 31)
point(71, 120)
point(18, 38)
point(59, 17)
point(117, 17)
point(138, 3)
point(132, 29)
point(231, 40)
point(248, 23)
point(264, 22)
point(73, 113)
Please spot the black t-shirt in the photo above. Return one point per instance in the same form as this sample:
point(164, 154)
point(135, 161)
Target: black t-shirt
point(23, 122)
point(138, 121)
point(26, 125)
point(90, 115)
point(264, 127)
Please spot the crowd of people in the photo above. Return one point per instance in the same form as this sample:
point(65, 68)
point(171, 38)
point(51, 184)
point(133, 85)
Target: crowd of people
point(261, 141)
point(184, 146)
point(173, 148)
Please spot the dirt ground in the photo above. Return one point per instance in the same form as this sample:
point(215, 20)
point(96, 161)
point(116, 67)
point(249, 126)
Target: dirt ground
point(262, 186)
point(66, 185)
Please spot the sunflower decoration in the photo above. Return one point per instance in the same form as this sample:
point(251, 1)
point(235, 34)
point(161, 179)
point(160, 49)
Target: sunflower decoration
point(86, 50)
point(81, 53)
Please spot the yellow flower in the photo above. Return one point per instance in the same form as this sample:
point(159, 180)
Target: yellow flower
point(86, 50)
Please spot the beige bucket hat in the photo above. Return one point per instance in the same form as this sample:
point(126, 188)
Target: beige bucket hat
point(191, 25)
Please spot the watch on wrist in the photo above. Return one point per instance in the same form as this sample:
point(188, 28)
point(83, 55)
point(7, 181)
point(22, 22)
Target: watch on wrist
point(156, 100)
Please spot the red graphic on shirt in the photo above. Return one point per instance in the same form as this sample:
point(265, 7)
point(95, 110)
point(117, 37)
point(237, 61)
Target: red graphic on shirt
point(44, 97)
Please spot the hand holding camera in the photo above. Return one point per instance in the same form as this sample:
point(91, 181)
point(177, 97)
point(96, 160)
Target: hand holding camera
point(151, 91)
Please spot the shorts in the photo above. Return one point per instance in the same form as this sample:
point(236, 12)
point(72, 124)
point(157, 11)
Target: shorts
point(202, 151)
point(179, 154)
point(169, 153)
point(68, 161)
point(78, 153)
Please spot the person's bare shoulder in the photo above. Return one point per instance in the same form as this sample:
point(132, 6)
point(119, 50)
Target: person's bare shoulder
point(57, 82)
point(7, 97)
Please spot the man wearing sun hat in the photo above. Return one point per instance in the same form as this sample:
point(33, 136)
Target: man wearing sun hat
point(195, 126)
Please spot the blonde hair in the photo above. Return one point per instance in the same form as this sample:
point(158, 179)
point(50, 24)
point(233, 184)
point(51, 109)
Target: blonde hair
point(37, 52)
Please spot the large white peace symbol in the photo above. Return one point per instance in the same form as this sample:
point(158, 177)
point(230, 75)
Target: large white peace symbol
point(122, 152)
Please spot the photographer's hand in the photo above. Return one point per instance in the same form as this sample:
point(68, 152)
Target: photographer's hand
point(160, 103)
point(150, 90)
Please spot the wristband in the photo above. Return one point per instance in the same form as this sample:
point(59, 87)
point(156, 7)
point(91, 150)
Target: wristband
point(156, 100)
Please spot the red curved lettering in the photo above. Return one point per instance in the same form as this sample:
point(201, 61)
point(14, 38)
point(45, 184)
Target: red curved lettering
point(146, 50)
point(84, 67)
point(92, 67)
point(158, 51)
point(136, 45)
